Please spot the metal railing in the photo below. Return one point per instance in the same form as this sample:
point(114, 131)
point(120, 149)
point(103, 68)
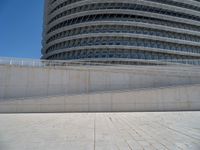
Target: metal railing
point(96, 62)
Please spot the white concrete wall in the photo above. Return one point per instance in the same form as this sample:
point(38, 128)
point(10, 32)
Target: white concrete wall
point(19, 82)
point(157, 99)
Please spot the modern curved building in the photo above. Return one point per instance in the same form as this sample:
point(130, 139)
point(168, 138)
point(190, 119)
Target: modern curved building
point(121, 30)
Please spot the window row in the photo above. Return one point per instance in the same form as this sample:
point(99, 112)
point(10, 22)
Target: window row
point(124, 41)
point(118, 53)
point(65, 3)
point(179, 4)
point(123, 6)
point(123, 29)
point(122, 17)
point(168, 2)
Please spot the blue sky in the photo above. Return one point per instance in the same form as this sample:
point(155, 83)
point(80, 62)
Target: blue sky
point(21, 28)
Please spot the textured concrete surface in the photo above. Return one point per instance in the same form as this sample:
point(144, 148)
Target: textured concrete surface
point(20, 82)
point(178, 98)
point(100, 131)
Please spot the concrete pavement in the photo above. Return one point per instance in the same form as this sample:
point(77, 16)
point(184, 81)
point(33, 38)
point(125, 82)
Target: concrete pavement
point(100, 131)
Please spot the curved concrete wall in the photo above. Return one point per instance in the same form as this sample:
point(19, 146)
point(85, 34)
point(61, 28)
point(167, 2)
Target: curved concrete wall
point(19, 82)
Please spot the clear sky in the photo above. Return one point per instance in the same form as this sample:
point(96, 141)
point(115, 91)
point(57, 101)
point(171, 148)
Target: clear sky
point(21, 28)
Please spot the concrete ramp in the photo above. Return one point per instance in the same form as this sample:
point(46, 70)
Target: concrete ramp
point(153, 99)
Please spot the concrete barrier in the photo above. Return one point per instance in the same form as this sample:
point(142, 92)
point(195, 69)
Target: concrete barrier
point(154, 99)
point(19, 82)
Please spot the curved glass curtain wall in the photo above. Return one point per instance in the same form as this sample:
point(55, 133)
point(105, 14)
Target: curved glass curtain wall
point(151, 29)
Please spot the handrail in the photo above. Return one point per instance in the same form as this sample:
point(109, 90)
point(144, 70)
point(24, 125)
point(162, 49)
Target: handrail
point(95, 62)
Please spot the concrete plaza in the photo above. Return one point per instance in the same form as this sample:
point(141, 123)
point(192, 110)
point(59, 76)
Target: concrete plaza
point(100, 131)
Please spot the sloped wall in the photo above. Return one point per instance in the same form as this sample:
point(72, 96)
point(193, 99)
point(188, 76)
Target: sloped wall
point(19, 82)
point(154, 99)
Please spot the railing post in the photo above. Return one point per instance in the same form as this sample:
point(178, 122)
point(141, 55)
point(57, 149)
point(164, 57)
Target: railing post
point(33, 63)
point(11, 62)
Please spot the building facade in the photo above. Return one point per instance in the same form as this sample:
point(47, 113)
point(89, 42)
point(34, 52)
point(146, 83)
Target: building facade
point(137, 30)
